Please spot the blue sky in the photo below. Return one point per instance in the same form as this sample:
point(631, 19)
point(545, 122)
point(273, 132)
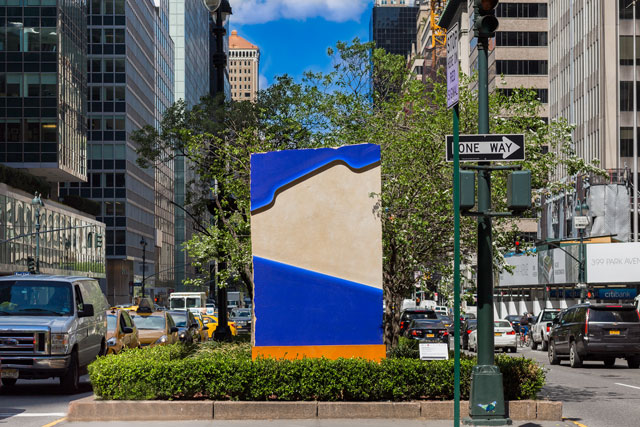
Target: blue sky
point(293, 35)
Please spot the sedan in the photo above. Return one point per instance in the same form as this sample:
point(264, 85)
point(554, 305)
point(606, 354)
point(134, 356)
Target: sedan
point(505, 337)
point(155, 328)
point(447, 321)
point(514, 319)
point(468, 327)
point(242, 319)
point(121, 332)
point(425, 330)
point(188, 327)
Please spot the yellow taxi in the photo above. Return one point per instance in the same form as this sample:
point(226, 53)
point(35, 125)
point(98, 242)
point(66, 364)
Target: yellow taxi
point(203, 330)
point(121, 332)
point(212, 324)
point(154, 327)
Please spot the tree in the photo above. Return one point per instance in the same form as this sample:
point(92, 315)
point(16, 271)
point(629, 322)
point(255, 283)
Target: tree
point(368, 97)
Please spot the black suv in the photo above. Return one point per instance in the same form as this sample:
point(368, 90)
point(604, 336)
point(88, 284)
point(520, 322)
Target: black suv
point(596, 332)
point(415, 314)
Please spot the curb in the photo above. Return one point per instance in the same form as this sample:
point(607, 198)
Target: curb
point(90, 409)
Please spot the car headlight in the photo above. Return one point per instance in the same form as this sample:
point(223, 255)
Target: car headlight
point(163, 339)
point(59, 343)
point(183, 335)
point(111, 341)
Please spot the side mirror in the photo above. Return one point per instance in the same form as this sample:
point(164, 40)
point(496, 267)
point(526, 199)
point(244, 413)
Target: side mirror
point(87, 311)
point(127, 330)
point(195, 325)
point(205, 328)
point(174, 329)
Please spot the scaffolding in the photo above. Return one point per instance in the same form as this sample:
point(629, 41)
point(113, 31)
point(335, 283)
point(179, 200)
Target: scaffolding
point(436, 51)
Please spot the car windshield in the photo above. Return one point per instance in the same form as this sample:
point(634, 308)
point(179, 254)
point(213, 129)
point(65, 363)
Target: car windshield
point(180, 318)
point(241, 313)
point(513, 318)
point(35, 298)
point(549, 315)
point(111, 322)
point(422, 323)
point(149, 322)
point(501, 324)
point(471, 323)
point(630, 316)
point(422, 315)
point(443, 317)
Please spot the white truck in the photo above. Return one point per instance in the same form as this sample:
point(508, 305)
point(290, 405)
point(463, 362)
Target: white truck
point(192, 301)
point(541, 327)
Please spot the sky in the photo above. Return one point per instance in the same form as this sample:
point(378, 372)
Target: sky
point(293, 35)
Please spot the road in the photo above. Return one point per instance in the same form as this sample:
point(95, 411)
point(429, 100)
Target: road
point(593, 396)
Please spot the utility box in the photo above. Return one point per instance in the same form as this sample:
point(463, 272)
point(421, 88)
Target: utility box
point(467, 190)
point(519, 191)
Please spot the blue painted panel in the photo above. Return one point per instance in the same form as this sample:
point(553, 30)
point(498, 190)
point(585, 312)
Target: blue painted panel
point(294, 306)
point(270, 171)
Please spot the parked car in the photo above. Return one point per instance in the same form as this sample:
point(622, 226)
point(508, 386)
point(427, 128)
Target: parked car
point(188, 328)
point(414, 314)
point(504, 338)
point(155, 327)
point(242, 319)
point(514, 319)
point(541, 327)
point(121, 332)
point(50, 326)
point(468, 326)
point(427, 330)
point(596, 332)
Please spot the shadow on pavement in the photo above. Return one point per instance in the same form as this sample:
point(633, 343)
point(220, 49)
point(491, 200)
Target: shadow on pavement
point(9, 412)
point(28, 388)
point(566, 394)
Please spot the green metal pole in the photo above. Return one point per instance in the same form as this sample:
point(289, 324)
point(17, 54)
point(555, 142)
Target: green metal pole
point(38, 240)
point(456, 266)
point(486, 400)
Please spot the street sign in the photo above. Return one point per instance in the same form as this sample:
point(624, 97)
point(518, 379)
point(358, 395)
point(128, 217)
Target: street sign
point(452, 66)
point(580, 222)
point(433, 351)
point(487, 148)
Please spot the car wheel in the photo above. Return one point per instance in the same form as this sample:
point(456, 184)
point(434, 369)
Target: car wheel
point(545, 345)
point(514, 349)
point(9, 382)
point(534, 345)
point(70, 381)
point(574, 357)
point(553, 357)
point(633, 362)
point(609, 362)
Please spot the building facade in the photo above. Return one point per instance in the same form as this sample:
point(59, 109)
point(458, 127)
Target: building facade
point(393, 26)
point(188, 20)
point(43, 83)
point(244, 68)
point(130, 79)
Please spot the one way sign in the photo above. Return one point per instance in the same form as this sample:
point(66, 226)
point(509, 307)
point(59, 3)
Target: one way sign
point(487, 148)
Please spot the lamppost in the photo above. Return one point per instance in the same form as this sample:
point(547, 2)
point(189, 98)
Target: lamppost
point(37, 202)
point(143, 243)
point(220, 11)
point(580, 222)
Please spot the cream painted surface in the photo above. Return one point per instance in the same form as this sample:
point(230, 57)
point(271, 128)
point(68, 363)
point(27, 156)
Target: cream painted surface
point(325, 224)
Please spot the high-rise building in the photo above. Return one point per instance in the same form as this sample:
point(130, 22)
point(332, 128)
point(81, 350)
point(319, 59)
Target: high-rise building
point(188, 21)
point(131, 83)
point(244, 68)
point(393, 26)
point(43, 88)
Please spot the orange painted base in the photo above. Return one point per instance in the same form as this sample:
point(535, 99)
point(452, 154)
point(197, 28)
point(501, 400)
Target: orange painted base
point(370, 352)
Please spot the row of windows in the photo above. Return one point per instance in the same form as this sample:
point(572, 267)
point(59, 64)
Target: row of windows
point(521, 38)
point(240, 70)
point(100, 180)
point(28, 84)
point(522, 10)
point(242, 54)
point(107, 49)
point(15, 37)
point(15, 8)
point(107, 78)
point(107, 20)
point(107, 35)
point(107, 7)
point(107, 93)
point(522, 67)
point(239, 63)
point(29, 130)
point(106, 123)
point(541, 94)
point(240, 79)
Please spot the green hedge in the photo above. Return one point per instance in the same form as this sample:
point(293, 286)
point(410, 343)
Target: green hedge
point(80, 203)
point(23, 180)
point(228, 373)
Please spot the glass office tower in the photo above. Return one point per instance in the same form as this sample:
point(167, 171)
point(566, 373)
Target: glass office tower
point(393, 26)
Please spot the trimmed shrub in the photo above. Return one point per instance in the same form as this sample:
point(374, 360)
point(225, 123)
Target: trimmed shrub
point(226, 372)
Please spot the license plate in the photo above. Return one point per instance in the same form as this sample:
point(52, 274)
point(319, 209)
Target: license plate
point(614, 332)
point(498, 334)
point(10, 373)
point(430, 335)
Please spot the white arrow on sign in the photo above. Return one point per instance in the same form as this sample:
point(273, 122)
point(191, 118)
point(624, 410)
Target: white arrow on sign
point(506, 147)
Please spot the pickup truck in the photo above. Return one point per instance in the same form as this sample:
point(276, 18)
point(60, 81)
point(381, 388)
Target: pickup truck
point(541, 328)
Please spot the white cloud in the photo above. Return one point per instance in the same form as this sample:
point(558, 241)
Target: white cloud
point(263, 83)
point(261, 11)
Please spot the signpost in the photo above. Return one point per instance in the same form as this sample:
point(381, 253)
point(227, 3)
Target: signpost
point(486, 148)
point(453, 94)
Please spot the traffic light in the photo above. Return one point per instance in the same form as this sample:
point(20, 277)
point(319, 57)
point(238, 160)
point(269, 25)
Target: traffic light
point(98, 240)
point(31, 265)
point(516, 244)
point(486, 22)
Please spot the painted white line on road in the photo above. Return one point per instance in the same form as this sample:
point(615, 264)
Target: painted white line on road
point(34, 414)
point(630, 386)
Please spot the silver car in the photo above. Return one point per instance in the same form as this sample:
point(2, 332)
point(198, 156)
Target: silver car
point(50, 326)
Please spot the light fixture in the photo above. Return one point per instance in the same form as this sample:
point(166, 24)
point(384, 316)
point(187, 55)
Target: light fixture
point(212, 5)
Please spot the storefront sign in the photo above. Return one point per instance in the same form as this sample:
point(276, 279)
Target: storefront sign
point(615, 294)
point(613, 263)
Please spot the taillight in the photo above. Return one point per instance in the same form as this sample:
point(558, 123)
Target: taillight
point(511, 333)
point(548, 328)
point(444, 333)
point(468, 331)
point(586, 322)
point(414, 333)
point(402, 324)
point(638, 314)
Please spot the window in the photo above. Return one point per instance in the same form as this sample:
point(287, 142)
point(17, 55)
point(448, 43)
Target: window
point(626, 50)
point(626, 141)
point(521, 38)
point(523, 67)
point(521, 10)
point(626, 9)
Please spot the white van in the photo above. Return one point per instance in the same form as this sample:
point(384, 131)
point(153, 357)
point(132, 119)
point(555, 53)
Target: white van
point(50, 326)
point(441, 309)
point(192, 301)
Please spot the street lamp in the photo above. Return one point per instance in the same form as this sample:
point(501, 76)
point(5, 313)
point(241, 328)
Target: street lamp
point(37, 202)
point(143, 243)
point(580, 222)
point(220, 11)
